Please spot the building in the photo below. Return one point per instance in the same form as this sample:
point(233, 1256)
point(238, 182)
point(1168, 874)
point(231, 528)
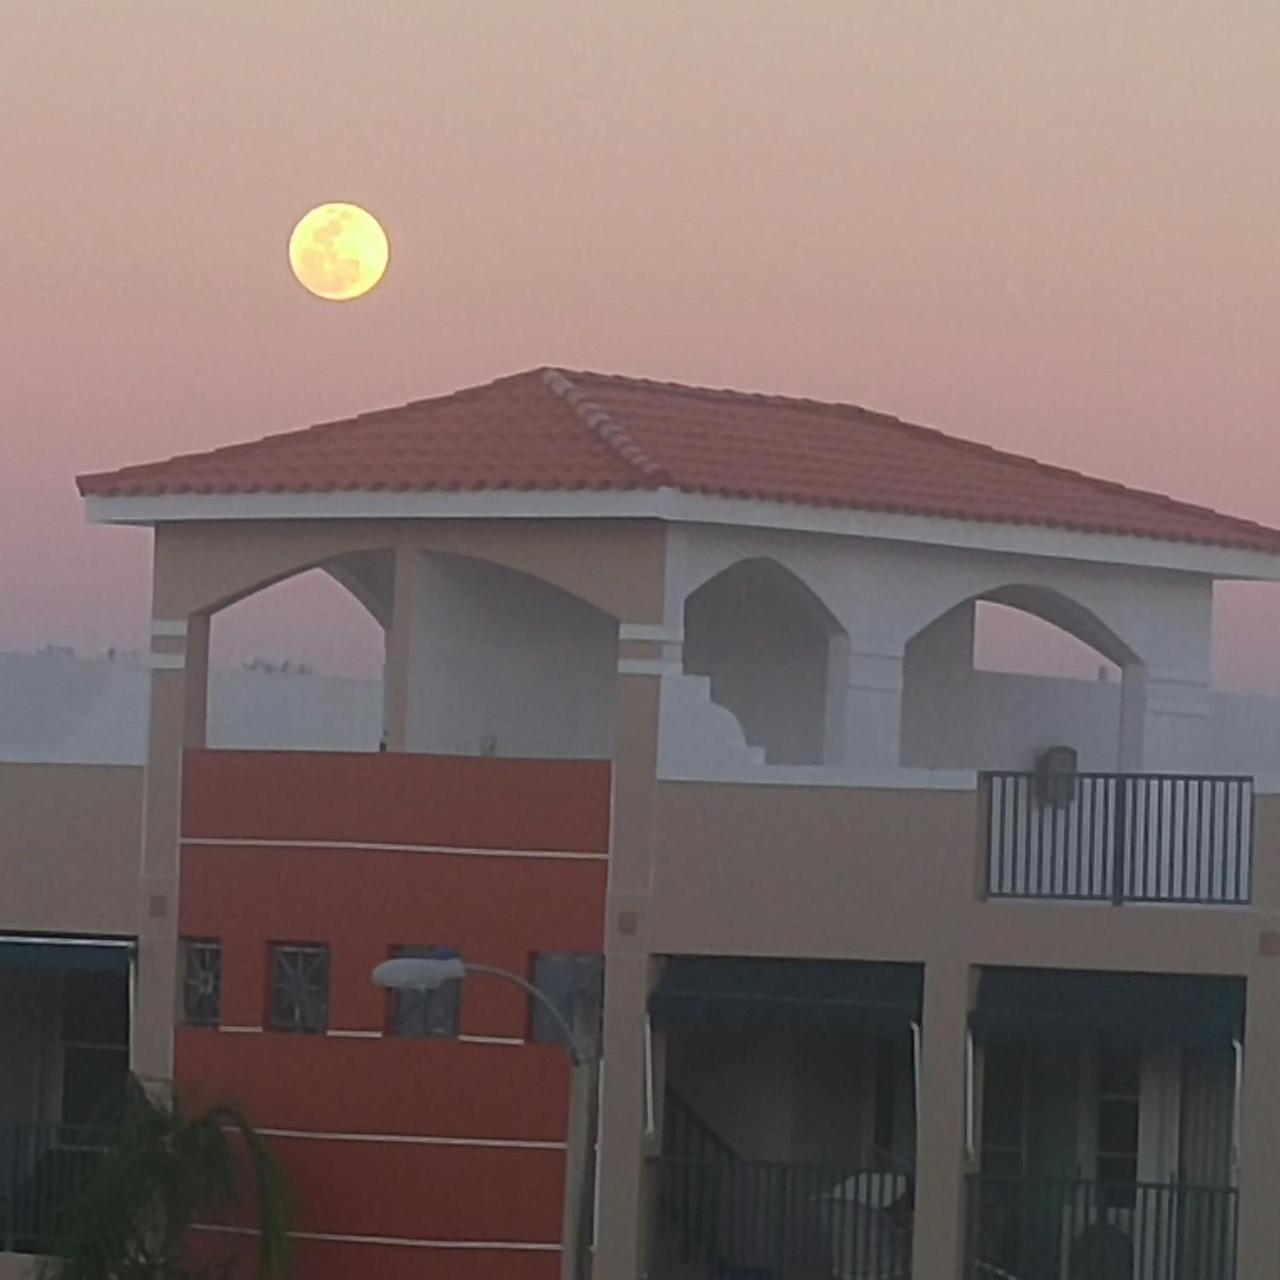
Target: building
point(907, 968)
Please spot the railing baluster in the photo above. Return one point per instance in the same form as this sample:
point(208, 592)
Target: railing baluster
point(1046, 1227)
point(1131, 838)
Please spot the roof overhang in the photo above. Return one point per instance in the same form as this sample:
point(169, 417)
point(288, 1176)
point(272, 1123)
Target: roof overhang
point(671, 505)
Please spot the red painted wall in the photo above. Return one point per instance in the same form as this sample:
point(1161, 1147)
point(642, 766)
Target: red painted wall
point(387, 1137)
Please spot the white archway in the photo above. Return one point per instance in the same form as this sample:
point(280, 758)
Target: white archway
point(767, 645)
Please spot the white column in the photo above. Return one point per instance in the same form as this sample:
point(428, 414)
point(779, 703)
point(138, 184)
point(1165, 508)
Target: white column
point(1133, 719)
point(873, 706)
point(1176, 730)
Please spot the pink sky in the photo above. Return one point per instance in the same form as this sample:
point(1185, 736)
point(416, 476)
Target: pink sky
point(1052, 227)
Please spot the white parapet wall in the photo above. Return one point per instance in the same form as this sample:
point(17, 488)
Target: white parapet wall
point(56, 708)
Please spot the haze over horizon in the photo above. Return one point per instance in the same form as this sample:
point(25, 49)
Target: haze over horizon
point(1048, 228)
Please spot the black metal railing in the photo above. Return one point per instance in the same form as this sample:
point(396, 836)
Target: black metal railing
point(686, 1135)
point(40, 1166)
point(1116, 837)
point(755, 1218)
point(1072, 1229)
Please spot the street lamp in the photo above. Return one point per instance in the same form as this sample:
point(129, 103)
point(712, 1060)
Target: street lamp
point(430, 973)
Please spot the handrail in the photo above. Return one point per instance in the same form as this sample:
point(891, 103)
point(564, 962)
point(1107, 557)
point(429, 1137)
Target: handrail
point(688, 1133)
point(1025, 1226)
point(1119, 837)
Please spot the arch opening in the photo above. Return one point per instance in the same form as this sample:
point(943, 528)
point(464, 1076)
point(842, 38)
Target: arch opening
point(297, 664)
point(766, 643)
point(1002, 677)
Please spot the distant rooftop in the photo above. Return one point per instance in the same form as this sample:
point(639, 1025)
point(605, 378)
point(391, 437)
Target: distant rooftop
point(548, 430)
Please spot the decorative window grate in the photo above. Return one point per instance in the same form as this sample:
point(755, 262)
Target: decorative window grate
point(574, 982)
point(300, 988)
point(201, 983)
point(426, 1014)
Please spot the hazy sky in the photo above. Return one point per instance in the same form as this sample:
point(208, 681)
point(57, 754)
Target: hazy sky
point(1047, 224)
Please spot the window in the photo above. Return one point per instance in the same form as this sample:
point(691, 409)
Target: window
point(95, 1046)
point(1006, 1078)
point(1119, 1090)
point(426, 1014)
point(574, 983)
point(300, 988)
point(201, 982)
point(886, 1103)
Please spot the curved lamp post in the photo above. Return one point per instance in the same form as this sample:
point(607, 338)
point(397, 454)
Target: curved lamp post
point(430, 973)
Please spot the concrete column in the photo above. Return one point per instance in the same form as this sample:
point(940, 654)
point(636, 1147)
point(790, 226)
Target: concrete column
point(620, 1233)
point(873, 706)
point(195, 711)
point(941, 1160)
point(1176, 732)
point(1259, 1239)
point(1133, 718)
point(397, 681)
point(175, 691)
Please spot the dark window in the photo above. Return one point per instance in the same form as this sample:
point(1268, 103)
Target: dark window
point(1119, 1086)
point(95, 1046)
point(886, 1102)
point(300, 987)
point(426, 1014)
point(1005, 1077)
point(201, 982)
point(574, 982)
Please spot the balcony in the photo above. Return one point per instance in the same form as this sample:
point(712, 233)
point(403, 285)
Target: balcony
point(718, 1214)
point(1076, 1229)
point(40, 1165)
point(1119, 838)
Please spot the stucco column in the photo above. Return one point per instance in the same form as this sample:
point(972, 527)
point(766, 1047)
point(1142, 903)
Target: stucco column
point(176, 692)
point(1176, 733)
point(620, 1234)
point(397, 680)
point(873, 705)
point(195, 710)
point(1259, 1238)
point(941, 1159)
point(1133, 718)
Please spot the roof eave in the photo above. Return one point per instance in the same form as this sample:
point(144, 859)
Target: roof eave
point(1042, 541)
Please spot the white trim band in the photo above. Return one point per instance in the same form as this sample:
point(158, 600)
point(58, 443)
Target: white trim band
point(512, 1042)
point(168, 628)
point(329, 1237)
point(240, 1031)
point(414, 1140)
point(166, 662)
point(449, 851)
point(338, 1034)
point(672, 505)
point(657, 632)
point(648, 667)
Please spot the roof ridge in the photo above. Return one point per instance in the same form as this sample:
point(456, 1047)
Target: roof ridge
point(607, 429)
point(847, 409)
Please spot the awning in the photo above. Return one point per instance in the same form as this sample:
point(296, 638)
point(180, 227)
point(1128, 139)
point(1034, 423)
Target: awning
point(65, 955)
point(1075, 1005)
point(787, 995)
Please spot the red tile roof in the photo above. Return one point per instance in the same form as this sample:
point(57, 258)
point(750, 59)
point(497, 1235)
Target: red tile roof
point(548, 430)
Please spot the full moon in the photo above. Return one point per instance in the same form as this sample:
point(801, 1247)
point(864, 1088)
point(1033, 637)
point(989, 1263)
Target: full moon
point(338, 251)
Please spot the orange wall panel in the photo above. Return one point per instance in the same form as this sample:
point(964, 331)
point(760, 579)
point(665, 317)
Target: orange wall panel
point(397, 799)
point(433, 1088)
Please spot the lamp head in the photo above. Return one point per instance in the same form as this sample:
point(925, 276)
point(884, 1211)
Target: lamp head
point(418, 973)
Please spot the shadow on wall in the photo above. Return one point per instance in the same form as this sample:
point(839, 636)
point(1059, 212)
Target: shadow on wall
point(764, 640)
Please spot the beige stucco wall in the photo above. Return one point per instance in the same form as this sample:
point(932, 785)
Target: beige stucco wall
point(893, 875)
point(69, 841)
